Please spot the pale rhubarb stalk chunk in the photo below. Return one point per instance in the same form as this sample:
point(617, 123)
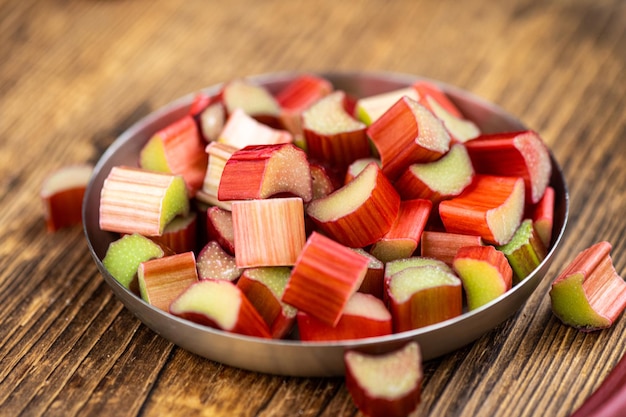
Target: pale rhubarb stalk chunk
point(242, 130)
point(253, 99)
point(214, 263)
point(444, 246)
point(360, 212)
point(177, 149)
point(517, 154)
point(369, 109)
point(161, 280)
point(332, 135)
point(404, 235)
point(219, 154)
point(385, 385)
point(263, 171)
point(268, 232)
point(589, 294)
point(62, 195)
point(373, 283)
point(406, 134)
point(324, 277)
point(525, 251)
point(134, 200)
point(491, 207)
point(543, 216)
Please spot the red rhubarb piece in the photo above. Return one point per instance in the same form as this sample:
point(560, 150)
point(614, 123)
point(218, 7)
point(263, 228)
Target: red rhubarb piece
point(62, 196)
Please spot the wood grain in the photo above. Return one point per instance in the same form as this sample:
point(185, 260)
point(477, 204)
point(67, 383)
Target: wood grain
point(74, 75)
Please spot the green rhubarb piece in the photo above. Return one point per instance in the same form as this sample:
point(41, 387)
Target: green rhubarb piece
point(524, 251)
point(570, 304)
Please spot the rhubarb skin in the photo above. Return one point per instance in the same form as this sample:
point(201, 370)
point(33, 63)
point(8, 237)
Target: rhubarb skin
point(363, 316)
point(62, 195)
point(359, 213)
point(181, 234)
point(324, 277)
point(444, 246)
point(219, 154)
point(516, 154)
point(491, 207)
point(406, 134)
point(543, 216)
point(589, 294)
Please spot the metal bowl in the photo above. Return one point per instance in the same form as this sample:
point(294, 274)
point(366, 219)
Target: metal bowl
point(313, 359)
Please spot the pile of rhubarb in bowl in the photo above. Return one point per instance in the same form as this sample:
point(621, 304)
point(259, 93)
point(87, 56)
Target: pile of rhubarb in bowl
point(307, 212)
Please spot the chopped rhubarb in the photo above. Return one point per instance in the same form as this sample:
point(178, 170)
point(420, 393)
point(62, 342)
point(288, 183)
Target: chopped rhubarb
point(373, 283)
point(219, 153)
point(517, 154)
point(404, 235)
point(322, 180)
point(524, 251)
point(357, 166)
point(543, 216)
point(134, 200)
point(254, 100)
point(177, 149)
point(263, 171)
point(214, 263)
point(243, 130)
point(180, 235)
point(200, 102)
point(363, 316)
point(162, 280)
point(324, 277)
point(62, 195)
point(491, 207)
point(360, 212)
point(369, 109)
point(589, 294)
point(444, 246)
point(406, 134)
point(268, 232)
point(212, 120)
point(219, 225)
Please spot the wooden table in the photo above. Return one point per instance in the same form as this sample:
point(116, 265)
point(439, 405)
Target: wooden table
point(74, 75)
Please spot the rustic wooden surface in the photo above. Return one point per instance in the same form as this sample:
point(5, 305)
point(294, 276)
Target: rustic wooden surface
point(75, 74)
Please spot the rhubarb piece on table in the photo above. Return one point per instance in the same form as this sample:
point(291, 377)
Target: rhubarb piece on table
point(162, 280)
point(491, 207)
point(438, 180)
point(406, 134)
point(589, 294)
point(134, 200)
point(212, 121)
point(254, 100)
point(124, 255)
point(214, 263)
point(62, 195)
point(357, 166)
point(424, 295)
point(221, 305)
point(359, 213)
point(332, 135)
point(385, 385)
point(444, 246)
point(264, 287)
point(242, 130)
point(369, 109)
point(263, 171)
point(219, 153)
point(373, 283)
point(325, 276)
point(177, 149)
point(404, 234)
point(180, 235)
point(485, 273)
point(543, 216)
point(268, 232)
point(517, 154)
point(524, 251)
point(363, 316)
point(219, 225)
point(435, 99)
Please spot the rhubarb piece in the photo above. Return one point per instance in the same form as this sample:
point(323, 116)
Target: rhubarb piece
point(363, 316)
point(214, 263)
point(322, 181)
point(385, 385)
point(359, 213)
point(212, 121)
point(485, 273)
point(254, 100)
point(219, 225)
point(517, 154)
point(373, 283)
point(268, 232)
point(406, 134)
point(177, 149)
point(221, 305)
point(357, 166)
point(543, 216)
point(242, 130)
point(439, 180)
point(180, 235)
point(424, 295)
point(200, 102)
point(404, 235)
point(124, 255)
point(323, 279)
point(438, 102)
point(219, 153)
point(369, 109)
point(589, 294)
point(524, 251)
point(444, 246)
point(264, 287)
point(134, 200)
point(332, 135)
point(491, 207)
point(162, 280)
point(393, 267)
point(266, 170)
point(62, 196)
